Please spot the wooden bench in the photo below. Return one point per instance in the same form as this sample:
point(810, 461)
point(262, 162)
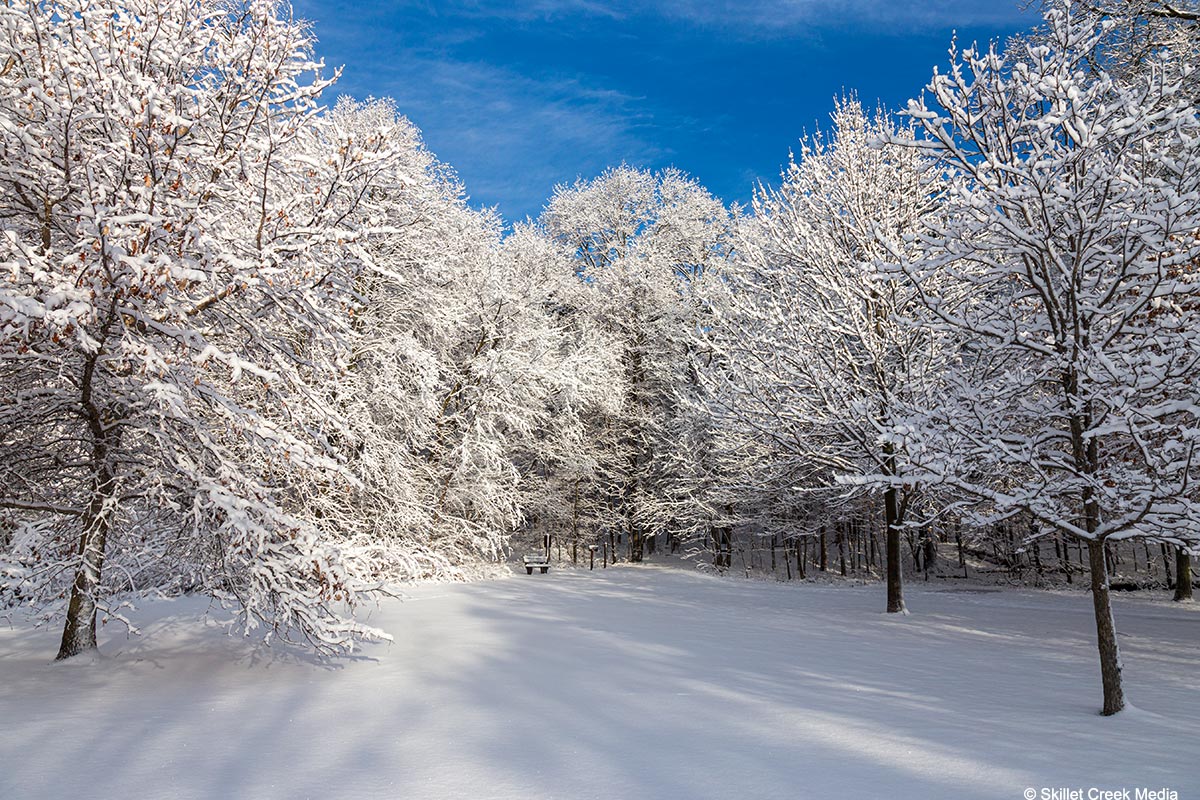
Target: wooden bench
point(535, 562)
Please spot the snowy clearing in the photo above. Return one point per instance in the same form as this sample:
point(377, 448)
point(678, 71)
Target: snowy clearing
point(620, 683)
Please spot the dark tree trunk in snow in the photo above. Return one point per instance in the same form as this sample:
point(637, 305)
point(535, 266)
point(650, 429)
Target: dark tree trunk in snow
point(1066, 562)
point(958, 540)
point(79, 632)
point(633, 488)
point(841, 543)
point(635, 537)
point(895, 586)
point(1106, 632)
point(1183, 575)
point(929, 556)
point(1167, 566)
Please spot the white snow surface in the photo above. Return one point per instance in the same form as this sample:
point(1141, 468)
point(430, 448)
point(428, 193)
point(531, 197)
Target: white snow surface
point(642, 682)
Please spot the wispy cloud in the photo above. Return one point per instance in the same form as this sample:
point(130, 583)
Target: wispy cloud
point(769, 17)
point(485, 119)
point(519, 97)
point(512, 136)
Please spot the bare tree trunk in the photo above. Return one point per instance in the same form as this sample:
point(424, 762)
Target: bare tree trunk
point(1183, 576)
point(1106, 633)
point(929, 556)
point(855, 547)
point(79, 632)
point(841, 544)
point(1066, 561)
point(958, 540)
point(895, 585)
point(824, 551)
point(1036, 542)
point(1170, 573)
point(633, 494)
point(575, 526)
point(635, 537)
point(722, 546)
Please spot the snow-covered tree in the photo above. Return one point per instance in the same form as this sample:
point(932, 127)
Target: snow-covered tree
point(640, 241)
point(174, 297)
point(1073, 227)
point(818, 360)
point(470, 379)
point(1137, 33)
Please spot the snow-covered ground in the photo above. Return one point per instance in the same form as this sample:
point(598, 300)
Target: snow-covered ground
point(621, 683)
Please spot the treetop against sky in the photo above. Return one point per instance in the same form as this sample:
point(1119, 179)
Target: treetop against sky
point(521, 97)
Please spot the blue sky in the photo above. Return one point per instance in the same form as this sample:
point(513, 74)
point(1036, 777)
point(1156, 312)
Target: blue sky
point(521, 97)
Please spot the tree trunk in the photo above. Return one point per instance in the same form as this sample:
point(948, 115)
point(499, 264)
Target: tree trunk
point(633, 494)
point(1183, 576)
point(958, 540)
point(1106, 633)
point(929, 557)
point(1036, 543)
point(79, 632)
point(575, 526)
point(722, 546)
point(841, 544)
point(855, 547)
point(1170, 573)
point(635, 539)
point(824, 552)
point(1066, 561)
point(895, 586)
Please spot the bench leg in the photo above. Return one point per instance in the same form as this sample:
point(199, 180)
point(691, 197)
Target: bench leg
point(529, 570)
point(544, 570)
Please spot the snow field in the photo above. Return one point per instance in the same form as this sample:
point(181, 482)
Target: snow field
point(621, 683)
